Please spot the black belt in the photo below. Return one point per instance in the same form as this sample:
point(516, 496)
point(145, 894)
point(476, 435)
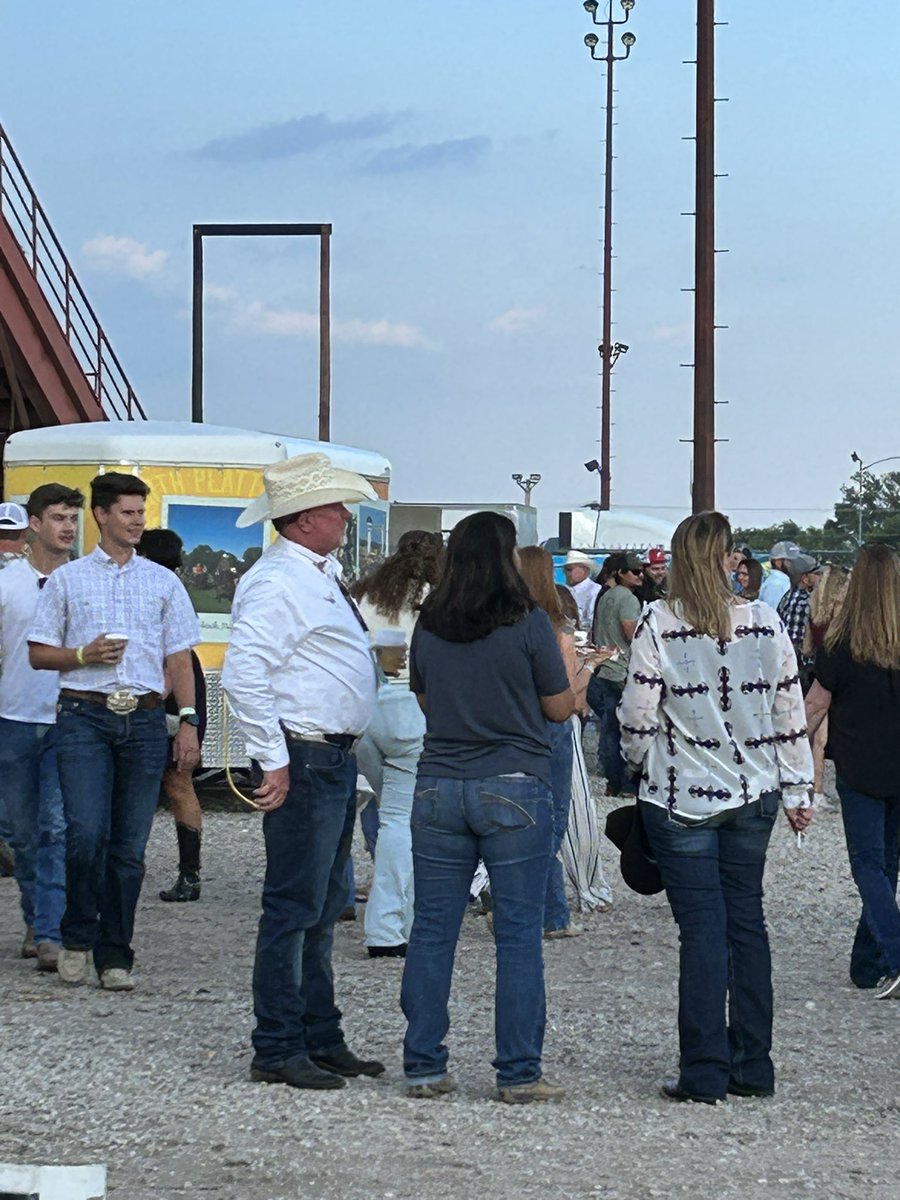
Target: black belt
point(343, 741)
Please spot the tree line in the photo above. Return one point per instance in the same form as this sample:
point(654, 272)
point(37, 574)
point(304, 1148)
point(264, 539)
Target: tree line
point(838, 538)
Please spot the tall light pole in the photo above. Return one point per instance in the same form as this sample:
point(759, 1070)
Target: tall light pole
point(608, 352)
point(859, 487)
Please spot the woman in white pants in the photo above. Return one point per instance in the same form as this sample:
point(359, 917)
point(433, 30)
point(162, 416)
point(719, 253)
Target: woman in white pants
point(389, 751)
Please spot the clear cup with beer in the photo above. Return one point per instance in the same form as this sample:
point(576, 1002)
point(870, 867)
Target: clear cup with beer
point(390, 647)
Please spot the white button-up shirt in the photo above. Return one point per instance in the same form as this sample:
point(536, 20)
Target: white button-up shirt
point(25, 694)
point(585, 594)
point(298, 654)
point(141, 599)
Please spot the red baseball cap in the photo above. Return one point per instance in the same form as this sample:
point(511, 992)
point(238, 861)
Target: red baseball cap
point(655, 557)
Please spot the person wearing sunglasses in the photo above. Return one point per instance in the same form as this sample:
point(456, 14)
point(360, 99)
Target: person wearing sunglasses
point(615, 619)
point(31, 790)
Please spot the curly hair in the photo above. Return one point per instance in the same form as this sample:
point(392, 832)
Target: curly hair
point(402, 580)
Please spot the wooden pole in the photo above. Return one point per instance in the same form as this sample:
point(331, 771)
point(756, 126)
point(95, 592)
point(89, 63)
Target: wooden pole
point(325, 336)
point(704, 490)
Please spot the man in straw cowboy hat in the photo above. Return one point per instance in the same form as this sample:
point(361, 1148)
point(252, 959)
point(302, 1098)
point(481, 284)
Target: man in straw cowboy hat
point(577, 569)
point(301, 680)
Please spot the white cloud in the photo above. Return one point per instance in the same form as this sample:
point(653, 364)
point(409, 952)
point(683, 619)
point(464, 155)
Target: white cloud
point(124, 256)
point(681, 335)
point(257, 318)
point(518, 320)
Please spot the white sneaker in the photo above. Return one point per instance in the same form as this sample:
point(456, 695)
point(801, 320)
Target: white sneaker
point(116, 979)
point(888, 987)
point(71, 966)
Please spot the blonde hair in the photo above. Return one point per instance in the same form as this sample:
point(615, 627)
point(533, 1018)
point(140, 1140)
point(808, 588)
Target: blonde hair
point(825, 602)
point(869, 622)
point(699, 592)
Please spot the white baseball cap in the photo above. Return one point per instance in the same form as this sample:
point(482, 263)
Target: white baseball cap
point(12, 516)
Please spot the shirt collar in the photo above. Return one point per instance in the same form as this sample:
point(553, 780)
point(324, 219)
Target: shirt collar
point(104, 560)
point(326, 563)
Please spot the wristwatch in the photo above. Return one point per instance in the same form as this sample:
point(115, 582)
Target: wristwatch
point(188, 716)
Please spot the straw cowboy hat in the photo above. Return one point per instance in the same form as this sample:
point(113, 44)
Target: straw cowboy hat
point(575, 558)
point(307, 481)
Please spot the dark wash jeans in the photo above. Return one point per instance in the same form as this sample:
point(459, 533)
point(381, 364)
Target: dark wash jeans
point(872, 830)
point(110, 770)
point(603, 695)
point(307, 844)
point(713, 879)
point(506, 820)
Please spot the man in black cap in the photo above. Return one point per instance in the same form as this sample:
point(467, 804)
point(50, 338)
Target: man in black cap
point(615, 619)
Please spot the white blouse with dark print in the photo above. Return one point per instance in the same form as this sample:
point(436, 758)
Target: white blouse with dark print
point(714, 724)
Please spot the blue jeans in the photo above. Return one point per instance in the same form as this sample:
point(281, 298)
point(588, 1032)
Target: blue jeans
point(34, 807)
point(556, 906)
point(368, 823)
point(507, 820)
point(713, 879)
point(872, 830)
point(603, 695)
point(110, 769)
point(307, 844)
point(388, 755)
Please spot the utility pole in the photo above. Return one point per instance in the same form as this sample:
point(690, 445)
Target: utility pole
point(704, 484)
point(608, 352)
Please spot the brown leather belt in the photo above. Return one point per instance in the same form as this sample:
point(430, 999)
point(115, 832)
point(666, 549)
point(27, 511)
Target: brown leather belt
point(146, 700)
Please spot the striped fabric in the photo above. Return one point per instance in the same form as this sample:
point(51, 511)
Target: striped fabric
point(580, 850)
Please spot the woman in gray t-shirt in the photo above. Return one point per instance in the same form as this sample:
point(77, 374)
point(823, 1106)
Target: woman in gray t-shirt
point(487, 671)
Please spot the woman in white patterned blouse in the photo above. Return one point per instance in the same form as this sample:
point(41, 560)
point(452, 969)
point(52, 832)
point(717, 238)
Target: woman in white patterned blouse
point(713, 723)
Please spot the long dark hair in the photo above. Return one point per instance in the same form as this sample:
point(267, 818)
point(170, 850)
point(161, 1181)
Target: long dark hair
point(401, 580)
point(481, 588)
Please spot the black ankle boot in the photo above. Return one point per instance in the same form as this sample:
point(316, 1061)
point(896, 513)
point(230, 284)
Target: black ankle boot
point(187, 886)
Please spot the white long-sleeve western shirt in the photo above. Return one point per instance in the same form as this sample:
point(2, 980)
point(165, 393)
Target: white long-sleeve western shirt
point(714, 724)
point(298, 654)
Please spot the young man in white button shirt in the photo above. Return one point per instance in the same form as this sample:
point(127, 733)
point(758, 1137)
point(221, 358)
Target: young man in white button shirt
point(113, 625)
point(301, 680)
point(30, 779)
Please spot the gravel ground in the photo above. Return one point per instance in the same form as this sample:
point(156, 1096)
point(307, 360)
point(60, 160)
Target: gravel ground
point(155, 1084)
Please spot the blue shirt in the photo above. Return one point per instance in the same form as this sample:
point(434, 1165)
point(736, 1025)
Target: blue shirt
point(484, 713)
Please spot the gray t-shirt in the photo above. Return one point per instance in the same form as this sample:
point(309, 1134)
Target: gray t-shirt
point(484, 714)
point(615, 606)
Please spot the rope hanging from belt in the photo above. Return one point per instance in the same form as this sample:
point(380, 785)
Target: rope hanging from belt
point(225, 747)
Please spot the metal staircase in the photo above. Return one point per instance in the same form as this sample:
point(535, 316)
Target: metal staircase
point(56, 364)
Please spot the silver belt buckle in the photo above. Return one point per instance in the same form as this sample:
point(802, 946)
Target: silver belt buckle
point(121, 702)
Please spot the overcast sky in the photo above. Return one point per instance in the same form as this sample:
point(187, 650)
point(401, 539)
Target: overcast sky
point(457, 150)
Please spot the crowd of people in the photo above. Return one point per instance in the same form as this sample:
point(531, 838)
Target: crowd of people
point(457, 681)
